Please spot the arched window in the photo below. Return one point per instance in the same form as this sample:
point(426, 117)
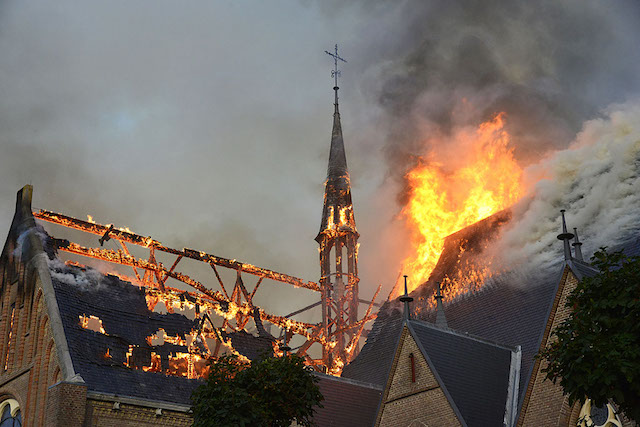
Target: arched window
point(11, 416)
point(596, 416)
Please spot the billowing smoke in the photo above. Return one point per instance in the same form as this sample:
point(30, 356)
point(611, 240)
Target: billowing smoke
point(596, 180)
point(548, 65)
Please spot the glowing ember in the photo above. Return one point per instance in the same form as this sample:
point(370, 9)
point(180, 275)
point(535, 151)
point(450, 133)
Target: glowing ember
point(442, 201)
point(92, 323)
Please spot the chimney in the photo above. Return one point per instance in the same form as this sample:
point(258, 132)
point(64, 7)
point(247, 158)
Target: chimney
point(565, 237)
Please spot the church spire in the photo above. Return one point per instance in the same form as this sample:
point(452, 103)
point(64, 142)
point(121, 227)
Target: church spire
point(337, 157)
point(338, 240)
point(338, 208)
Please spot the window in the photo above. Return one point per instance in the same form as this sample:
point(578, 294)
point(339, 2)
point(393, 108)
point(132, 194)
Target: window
point(597, 416)
point(413, 368)
point(11, 416)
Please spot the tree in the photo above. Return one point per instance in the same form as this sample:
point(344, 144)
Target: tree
point(270, 391)
point(597, 351)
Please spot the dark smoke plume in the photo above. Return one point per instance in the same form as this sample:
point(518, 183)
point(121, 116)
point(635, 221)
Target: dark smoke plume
point(549, 65)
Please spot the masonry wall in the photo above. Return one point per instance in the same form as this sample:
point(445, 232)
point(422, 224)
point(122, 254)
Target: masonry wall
point(28, 357)
point(422, 402)
point(102, 414)
point(545, 403)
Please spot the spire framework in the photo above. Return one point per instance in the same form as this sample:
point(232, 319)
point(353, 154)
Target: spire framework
point(338, 240)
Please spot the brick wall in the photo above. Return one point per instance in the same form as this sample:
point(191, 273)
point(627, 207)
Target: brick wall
point(102, 414)
point(545, 403)
point(28, 356)
point(406, 402)
point(66, 404)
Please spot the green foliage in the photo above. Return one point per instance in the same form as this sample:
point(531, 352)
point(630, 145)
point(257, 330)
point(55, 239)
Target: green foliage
point(271, 391)
point(597, 350)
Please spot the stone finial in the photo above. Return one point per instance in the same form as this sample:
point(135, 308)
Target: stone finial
point(406, 299)
point(441, 319)
point(577, 246)
point(565, 236)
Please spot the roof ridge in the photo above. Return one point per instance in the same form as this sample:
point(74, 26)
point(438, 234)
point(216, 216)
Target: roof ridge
point(349, 381)
point(465, 335)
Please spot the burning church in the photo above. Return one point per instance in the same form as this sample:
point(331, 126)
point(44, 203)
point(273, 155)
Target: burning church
point(455, 345)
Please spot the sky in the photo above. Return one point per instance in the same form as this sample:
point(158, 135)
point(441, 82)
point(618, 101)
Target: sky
point(207, 124)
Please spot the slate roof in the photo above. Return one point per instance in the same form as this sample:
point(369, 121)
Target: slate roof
point(123, 310)
point(511, 308)
point(347, 403)
point(127, 321)
point(375, 358)
point(474, 372)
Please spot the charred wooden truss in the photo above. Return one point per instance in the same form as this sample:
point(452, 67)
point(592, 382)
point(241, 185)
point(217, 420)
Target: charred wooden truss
point(233, 303)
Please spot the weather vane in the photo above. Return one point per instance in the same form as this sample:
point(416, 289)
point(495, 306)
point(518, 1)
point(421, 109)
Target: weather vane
point(335, 73)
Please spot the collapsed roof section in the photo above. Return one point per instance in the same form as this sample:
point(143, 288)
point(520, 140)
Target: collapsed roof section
point(109, 338)
point(234, 305)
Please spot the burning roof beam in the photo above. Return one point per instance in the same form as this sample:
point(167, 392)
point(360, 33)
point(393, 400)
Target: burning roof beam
point(148, 242)
point(227, 306)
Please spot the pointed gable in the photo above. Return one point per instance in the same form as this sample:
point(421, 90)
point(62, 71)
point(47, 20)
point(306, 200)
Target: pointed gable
point(480, 376)
point(414, 392)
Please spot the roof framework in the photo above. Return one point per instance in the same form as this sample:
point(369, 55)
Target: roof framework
point(234, 303)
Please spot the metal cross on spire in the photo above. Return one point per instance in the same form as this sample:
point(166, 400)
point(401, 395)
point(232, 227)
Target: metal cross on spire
point(335, 73)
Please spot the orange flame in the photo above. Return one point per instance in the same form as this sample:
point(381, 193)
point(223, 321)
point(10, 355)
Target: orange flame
point(486, 180)
point(92, 323)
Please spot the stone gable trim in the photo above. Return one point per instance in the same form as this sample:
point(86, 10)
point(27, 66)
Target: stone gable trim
point(466, 335)
point(23, 220)
point(511, 410)
point(392, 369)
point(436, 375)
point(348, 381)
point(407, 330)
point(543, 342)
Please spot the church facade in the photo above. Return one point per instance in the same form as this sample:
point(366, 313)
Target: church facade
point(472, 362)
point(75, 348)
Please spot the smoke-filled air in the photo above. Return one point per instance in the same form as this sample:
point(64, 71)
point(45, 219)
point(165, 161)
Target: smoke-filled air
point(498, 104)
point(208, 126)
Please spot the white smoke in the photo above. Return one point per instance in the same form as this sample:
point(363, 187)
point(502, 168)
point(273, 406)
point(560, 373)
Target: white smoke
point(597, 181)
point(22, 243)
point(86, 279)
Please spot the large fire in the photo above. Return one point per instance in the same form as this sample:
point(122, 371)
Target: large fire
point(484, 179)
